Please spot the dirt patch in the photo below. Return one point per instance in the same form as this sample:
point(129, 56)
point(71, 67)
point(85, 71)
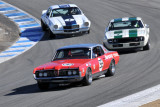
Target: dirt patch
point(9, 33)
point(152, 104)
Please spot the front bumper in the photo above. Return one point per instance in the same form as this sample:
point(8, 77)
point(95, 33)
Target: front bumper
point(71, 31)
point(59, 79)
point(123, 45)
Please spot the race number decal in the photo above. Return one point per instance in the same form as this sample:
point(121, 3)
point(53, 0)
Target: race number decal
point(100, 64)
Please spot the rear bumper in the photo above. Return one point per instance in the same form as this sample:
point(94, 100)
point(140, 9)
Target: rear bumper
point(59, 79)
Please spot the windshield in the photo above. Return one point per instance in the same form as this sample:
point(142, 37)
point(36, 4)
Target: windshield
point(65, 11)
point(125, 25)
point(75, 53)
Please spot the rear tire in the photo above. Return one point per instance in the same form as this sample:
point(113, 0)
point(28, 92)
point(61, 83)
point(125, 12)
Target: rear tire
point(111, 69)
point(87, 80)
point(44, 27)
point(43, 86)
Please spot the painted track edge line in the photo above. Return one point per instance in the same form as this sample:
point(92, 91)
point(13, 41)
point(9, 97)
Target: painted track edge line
point(3, 59)
point(136, 99)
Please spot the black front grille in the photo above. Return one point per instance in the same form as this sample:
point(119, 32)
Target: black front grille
point(50, 73)
point(71, 27)
point(71, 30)
point(64, 72)
point(126, 40)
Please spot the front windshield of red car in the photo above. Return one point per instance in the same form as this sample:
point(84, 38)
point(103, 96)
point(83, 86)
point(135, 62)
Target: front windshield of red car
point(74, 53)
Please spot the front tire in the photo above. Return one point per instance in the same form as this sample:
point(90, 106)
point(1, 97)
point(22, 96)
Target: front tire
point(43, 26)
point(43, 86)
point(111, 69)
point(51, 34)
point(88, 77)
point(147, 47)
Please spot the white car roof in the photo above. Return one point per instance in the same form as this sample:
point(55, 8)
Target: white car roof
point(63, 6)
point(126, 19)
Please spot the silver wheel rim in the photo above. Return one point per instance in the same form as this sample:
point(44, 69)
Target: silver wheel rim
point(90, 77)
point(113, 68)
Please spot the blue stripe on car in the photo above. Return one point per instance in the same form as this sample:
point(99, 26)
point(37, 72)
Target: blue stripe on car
point(69, 20)
point(64, 6)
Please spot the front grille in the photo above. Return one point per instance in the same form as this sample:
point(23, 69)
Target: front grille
point(64, 72)
point(50, 73)
point(71, 27)
point(126, 40)
point(71, 30)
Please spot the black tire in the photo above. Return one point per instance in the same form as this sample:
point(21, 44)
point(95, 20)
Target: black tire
point(44, 27)
point(88, 32)
point(53, 36)
point(111, 70)
point(87, 80)
point(147, 47)
point(43, 86)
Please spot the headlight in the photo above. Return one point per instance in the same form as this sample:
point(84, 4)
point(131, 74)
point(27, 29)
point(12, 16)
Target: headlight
point(40, 74)
point(69, 73)
point(110, 41)
point(55, 26)
point(86, 23)
point(45, 74)
point(115, 40)
point(74, 72)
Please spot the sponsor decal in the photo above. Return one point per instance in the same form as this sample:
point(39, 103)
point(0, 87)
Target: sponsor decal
point(67, 64)
point(83, 70)
point(100, 64)
point(115, 54)
point(94, 66)
point(108, 56)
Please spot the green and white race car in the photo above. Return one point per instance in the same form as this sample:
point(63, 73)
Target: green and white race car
point(128, 32)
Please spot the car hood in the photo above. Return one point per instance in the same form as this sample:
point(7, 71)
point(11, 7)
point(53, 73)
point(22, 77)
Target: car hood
point(63, 64)
point(69, 20)
point(125, 33)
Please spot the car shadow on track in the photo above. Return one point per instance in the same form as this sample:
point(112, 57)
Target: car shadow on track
point(34, 35)
point(47, 37)
point(33, 88)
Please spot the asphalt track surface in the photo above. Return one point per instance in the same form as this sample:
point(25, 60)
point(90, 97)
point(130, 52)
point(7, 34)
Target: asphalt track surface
point(135, 72)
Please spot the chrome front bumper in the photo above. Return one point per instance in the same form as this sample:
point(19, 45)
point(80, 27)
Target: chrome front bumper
point(58, 79)
point(71, 32)
point(123, 45)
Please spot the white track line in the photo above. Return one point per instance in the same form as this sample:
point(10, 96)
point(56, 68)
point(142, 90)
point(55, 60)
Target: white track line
point(137, 99)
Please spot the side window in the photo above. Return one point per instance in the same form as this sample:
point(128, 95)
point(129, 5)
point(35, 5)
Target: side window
point(101, 52)
point(97, 51)
point(94, 54)
point(48, 12)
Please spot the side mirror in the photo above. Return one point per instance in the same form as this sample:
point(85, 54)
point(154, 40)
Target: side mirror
point(147, 26)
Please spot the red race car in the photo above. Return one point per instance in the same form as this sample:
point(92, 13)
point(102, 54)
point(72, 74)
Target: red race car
point(81, 62)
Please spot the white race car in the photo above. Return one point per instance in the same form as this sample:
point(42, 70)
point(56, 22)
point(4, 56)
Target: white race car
point(64, 19)
point(128, 32)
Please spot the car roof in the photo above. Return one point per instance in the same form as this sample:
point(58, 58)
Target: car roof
point(63, 6)
point(126, 19)
point(80, 46)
